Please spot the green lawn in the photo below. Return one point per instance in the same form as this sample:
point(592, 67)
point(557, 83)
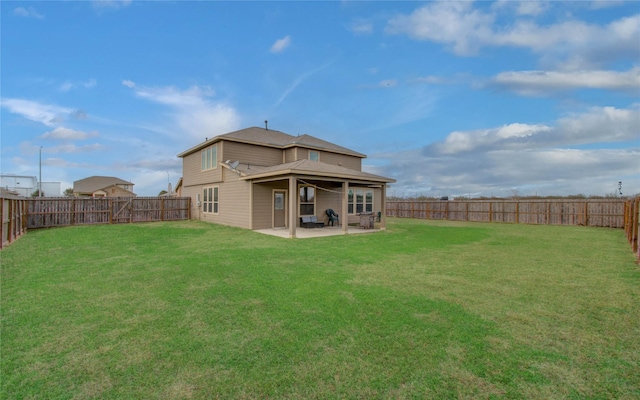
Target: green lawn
point(424, 310)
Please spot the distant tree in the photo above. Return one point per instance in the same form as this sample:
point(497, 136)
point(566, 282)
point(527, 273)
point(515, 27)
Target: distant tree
point(37, 193)
point(68, 192)
point(162, 192)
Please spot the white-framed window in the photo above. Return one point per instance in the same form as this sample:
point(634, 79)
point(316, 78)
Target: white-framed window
point(307, 200)
point(210, 200)
point(209, 158)
point(360, 200)
point(314, 155)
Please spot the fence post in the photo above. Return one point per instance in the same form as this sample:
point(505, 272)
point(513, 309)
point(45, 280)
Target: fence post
point(162, 209)
point(517, 212)
point(586, 213)
point(636, 216)
point(490, 211)
point(10, 227)
point(73, 211)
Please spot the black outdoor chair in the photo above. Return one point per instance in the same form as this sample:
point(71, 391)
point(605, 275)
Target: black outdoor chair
point(333, 217)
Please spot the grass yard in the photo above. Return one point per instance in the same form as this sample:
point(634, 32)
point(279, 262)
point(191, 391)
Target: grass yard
point(427, 309)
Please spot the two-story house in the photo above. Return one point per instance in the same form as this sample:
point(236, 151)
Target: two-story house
point(258, 178)
point(102, 186)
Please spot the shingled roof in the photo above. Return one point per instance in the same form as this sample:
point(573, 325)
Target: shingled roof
point(310, 168)
point(273, 138)
point(93, 183)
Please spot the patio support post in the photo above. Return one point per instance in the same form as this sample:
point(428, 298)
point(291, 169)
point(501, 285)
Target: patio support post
point(383, 214)
point(293, 206)
point(345, 210)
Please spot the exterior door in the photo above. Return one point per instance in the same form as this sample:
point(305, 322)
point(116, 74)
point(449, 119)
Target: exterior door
point(279, 208)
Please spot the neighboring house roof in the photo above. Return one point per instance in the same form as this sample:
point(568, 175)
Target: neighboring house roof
point(94, 183)
point(307, 167)
point(273, 138)
point(9, 194)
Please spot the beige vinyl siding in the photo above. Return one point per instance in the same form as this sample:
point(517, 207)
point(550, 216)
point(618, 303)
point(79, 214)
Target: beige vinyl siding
point(193, 175)
point(262, 203)
point(377, 200)
point(343, 160)
point(328, 199)
point(234, 202)
point(192, 191)
point(251, 154)
point(290, 155)
point(115, 191)
point(327, 157)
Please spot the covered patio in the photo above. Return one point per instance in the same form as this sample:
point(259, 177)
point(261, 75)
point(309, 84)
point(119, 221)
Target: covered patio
point(281, 195)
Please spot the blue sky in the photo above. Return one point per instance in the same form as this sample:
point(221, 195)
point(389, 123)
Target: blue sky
point(449, 98)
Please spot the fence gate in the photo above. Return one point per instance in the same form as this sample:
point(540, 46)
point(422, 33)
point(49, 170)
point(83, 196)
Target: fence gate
point(121, 210)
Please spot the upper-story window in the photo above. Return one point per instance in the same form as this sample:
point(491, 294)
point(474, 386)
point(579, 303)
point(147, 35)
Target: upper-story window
point(209, 158)
point(314, 155)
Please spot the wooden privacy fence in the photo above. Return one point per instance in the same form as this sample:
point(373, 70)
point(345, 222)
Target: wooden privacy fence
point(605, 213)
point(631, 217)
point(14, 218)
point(49, 212)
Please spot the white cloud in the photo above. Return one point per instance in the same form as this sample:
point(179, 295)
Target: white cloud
point(61, 133)
point(298, 81)
point(572, 43)
point(361, 27)
point(71, 148)
point(68, 85)
point(28, 12)
point(193, 111)
point(597, 125)
point(281, 44)
point(600, 4)
point(543, 82)
point(451, 23)
point(532, 8)
point(49, 115)
point(112, 4)
point(577, 154)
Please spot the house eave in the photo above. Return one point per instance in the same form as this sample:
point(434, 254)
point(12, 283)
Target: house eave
point(315, 175)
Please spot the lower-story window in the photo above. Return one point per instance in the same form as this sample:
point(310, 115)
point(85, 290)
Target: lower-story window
point(360, 200)
point(307, 200)
point(210, 200)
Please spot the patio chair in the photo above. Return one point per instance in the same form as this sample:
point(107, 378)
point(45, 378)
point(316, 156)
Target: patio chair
point(333, 217)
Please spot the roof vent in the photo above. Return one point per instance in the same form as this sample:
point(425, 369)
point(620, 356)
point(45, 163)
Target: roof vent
point(266, 125)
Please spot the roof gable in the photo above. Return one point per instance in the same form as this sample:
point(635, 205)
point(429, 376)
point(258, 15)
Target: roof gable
point(93, 183)
point(273, 138)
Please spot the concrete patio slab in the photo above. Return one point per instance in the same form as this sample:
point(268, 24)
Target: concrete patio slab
point(306, 233)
